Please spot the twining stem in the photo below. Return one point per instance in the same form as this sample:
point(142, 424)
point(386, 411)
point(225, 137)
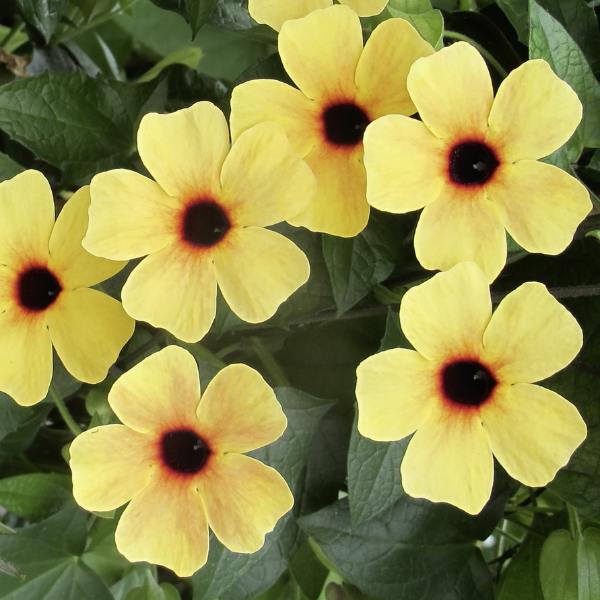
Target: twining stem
point(459, 36)
point(531, 509)
point(522, 525)
point(64, 411)
point(506, 534)
point(269, 363)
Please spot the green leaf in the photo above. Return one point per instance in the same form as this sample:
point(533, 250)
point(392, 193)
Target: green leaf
point(77, 123)
point(521, 580)
point(394, 336)
point(188, 86)
point(232, 14)
point(558, 567)
point(420, 14)
point(308, 571)
point(197, 11)
point(42, 14)
point(186, 56)
point(588, 564)
point(8, 167)
point(17, 39)
point(549, 40)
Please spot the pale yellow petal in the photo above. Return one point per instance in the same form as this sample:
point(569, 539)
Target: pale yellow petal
point(461, 225)
point(405, 163)
point(258, 269)
point(534, 113)
point(365, 8)
point(446, 316)
point(395, 392)
point(184, 150)
point(129, 216)
point(320, 53)
point(165, 524)
point(452, 91)
point(533, 431)
point(176, 289)
point(88, 330)
point(276, 12)
point(239, 411)
point(531, 336)
point(264, 179)
point(161, 392)
point(540, 205)
point(392, 48)
point(110, 466)
point(449, 460)
point(244, 499)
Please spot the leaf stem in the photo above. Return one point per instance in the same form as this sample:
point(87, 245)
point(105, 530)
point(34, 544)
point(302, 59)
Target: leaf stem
point(64, 411)
point(506, 534)
point(574, 524)
point(269, 363)
point(459, 36)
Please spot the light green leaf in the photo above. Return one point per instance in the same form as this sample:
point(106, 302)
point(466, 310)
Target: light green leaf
point(16, 40)
point(521, 580)
point(420, 14)
point(588, 565)
point(186, 56)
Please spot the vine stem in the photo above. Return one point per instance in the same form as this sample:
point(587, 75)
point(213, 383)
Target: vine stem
point(64, 411)
point(463, 38)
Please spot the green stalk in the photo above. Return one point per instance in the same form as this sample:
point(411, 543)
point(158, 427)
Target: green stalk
point(459, 36)
point(64, 411)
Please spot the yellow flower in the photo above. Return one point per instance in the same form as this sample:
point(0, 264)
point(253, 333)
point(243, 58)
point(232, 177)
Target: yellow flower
point(343, 87)
point(472, 161)
point(179, 459)
point(203, 221)
point(44, 297)
point(467, 390)
point(275, 12)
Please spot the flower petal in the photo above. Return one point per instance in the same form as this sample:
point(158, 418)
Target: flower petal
point(447, 315)
point(257, 269)
point(453, 91)
point(540, 205)
point(239, 411)
point(395, 391)
point(393, 47)
point(449, 460)
point(26, 218)
point(130, 216)
point(533, 431)
point(321, 52)
point(77, 268)
point(110, 465)
point(405, 164)
point(160, 393)
point(461, 226)
point(264, 179)
point(174, 288)
point(165, 524)
point(184, 150)
point(366, 8)
point(88, 330)
point(531, 336)
point(276, 12)
point(244, 499)
point(523, 119)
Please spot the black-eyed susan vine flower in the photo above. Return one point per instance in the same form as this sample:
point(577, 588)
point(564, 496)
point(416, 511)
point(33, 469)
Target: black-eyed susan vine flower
point(203, 220)
point(178, 460)
point(466, 392)
point(472, 161)
point(342, 88)
point(45, 298)
point(275, 12)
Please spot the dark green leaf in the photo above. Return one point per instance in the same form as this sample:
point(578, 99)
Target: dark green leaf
point(188, 86)
point(394, 336)
point(19, 424)
point(232, 14)
point(42, 14)
point(8, 167)
point(197, 11)
point(308, 571)
point(518, 13)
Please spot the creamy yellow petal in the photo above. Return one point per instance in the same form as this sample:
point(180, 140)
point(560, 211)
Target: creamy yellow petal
point(161, 392)
point(110, 466)
point(395, 392)
point(258, 269)
point(461, 226)
point(524, 117)
point(25, 356)
point(244, 499)
point(452, 91)
point(176, 289)
point(365, 8)
point(449, 460)
point(264, 179)
point(88, 330)
point(276, 12)
point(26, 218)
point(239, 411)
point(321, 52)
point(165, 524)
point(184, 150)
point(392, 48)
point(531, 336)
point(340, 205)
point(540, 205)
point(447, 315)
point(405, 164)
point(130, 216)
point(533, 432)
point(77, 267)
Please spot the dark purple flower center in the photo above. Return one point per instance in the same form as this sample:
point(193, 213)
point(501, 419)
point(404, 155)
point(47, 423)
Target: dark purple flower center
point(38, 288)
point(472, 163)
point(345, 124)
point(204, 223)
point(467, 382)
point(184, 451)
